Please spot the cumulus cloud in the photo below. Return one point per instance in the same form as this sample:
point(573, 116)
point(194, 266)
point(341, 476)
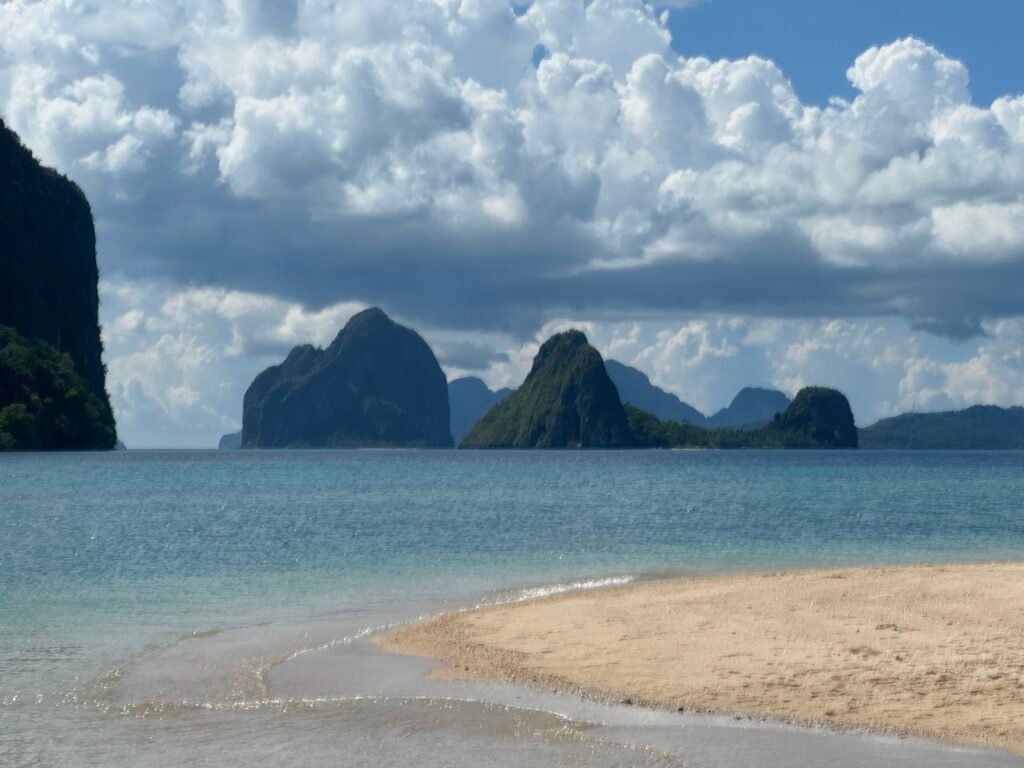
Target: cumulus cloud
point(489, 164)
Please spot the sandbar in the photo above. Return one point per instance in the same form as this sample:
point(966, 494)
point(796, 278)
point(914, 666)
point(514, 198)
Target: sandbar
point(931, 651)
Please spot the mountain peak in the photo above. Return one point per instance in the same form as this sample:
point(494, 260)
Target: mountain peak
point(567, 401)
point(752, 407)
point(636, 389)
point(378, 384)
point(821, 415)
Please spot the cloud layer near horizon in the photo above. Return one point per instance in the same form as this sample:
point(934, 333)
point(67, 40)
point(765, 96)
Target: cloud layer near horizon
point(478, 166)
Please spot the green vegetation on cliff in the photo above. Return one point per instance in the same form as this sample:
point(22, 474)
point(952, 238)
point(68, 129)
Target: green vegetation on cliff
point(377, 384)
point(567, 401)
point(44, 403)
point(817, 418)
point(981, 427)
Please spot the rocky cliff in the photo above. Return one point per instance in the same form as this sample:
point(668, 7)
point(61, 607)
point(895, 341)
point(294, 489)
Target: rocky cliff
point(377, 384)
point(818, 417)
point(48, 271)
point(567, 401)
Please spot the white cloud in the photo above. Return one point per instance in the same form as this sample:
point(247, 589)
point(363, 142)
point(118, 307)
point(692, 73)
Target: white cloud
point(374, 111)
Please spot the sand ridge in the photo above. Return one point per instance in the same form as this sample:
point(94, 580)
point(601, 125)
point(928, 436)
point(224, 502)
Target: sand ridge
point(935, 651)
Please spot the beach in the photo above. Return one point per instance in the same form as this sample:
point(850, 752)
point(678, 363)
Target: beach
point(931, 651)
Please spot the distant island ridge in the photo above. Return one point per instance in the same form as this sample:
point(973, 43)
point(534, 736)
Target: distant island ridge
point(469, 398)
point(980, 427)
point(572, 398)
point(568, 400)
point(752, 406)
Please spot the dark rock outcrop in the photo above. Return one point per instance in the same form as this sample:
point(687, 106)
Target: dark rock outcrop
point(469, 399)
point(818, 417)
point(567, 401)
point(48, 272)
point(44, 403)
point(636, 389)
point(377, 384)
point(980, 427)
point(752, 407)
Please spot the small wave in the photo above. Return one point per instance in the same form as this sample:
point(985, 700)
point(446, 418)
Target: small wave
point(164, 709)
point(200, 634)
point(532, 593)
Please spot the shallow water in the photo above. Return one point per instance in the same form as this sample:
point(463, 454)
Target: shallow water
point(204, 608)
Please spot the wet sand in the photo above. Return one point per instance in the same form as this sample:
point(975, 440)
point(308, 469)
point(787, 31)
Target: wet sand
point(933, 651)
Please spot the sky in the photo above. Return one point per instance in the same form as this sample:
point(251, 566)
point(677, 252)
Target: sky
point(720, 192)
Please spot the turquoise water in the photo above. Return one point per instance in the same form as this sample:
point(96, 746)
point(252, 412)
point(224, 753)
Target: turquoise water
point(135, 582)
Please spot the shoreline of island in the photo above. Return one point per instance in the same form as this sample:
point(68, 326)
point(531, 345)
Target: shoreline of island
point(931, 651)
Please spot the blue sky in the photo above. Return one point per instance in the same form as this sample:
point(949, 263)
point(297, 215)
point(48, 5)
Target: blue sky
point(814, 41)
point(259, 170)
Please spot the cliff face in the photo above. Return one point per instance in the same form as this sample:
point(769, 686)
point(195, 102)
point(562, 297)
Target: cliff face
point(377, 384)
point(567, 401)
point(48, 272)
point(818, 417)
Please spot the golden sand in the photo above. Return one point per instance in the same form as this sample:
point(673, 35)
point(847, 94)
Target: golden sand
point(931, 651)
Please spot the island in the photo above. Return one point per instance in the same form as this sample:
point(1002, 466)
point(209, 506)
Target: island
point(569, 401)
point(566, 401)
point(980, 427)
point(377, 385)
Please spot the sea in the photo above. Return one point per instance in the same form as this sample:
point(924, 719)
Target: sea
point(204, 608)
